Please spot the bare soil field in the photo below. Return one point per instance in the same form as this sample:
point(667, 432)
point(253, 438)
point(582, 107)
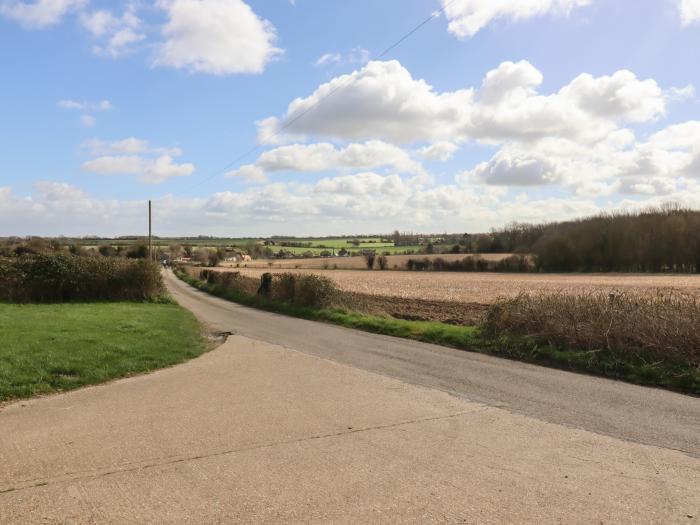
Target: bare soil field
point(396, 262)
point(485, 288)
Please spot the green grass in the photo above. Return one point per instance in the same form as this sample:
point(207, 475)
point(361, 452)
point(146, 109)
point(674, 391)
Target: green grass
point(632, 367)
point(51, 348)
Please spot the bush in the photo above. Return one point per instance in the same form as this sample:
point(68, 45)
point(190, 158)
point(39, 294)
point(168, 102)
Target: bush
point(663, 325)
point(61, 278)
point(309, 290)
point(369, 260)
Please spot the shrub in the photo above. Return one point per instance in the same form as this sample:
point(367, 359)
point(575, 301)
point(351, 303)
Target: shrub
point(369, 260)
point(383, 262)
point(309, 290)
point(663, 325)
point(62, 277)
point(514, 264)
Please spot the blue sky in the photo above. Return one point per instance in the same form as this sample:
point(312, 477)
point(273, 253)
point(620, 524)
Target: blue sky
point(590, 106)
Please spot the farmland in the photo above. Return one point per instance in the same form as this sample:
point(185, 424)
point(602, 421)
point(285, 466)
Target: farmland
point(395, 262)
point(485, 288)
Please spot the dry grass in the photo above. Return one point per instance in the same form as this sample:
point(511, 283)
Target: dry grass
point(665, 325)
point(394, 262)
point(486, 288)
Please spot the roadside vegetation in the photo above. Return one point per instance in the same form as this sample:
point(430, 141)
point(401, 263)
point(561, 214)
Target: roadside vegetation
point(68, 321)
point(63, 277)
point(578, 337)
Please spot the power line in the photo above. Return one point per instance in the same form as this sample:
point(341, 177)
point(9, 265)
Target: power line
point(313, 106)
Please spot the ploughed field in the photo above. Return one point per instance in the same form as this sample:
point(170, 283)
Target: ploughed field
point(485, 288)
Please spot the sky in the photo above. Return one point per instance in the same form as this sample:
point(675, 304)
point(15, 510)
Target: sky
point(302, 117)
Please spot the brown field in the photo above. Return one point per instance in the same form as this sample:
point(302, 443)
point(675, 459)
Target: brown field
point(396, 262)
point(485, 288)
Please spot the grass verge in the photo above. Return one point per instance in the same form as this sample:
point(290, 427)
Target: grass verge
point(633, 367)
point(48, 348)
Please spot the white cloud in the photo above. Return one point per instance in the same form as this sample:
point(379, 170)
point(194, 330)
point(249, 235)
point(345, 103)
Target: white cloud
point(468, 17)
point(102, 105)
point(130, 145)
point(249, 173)
point(442, 151)
point(328, 58)
point(365, 202)
point(357, 55)
point(391, 186)
point(88, 121)
point(133, 156)
point(151, 171)
point(689, 11)
point(40, 13)
point(325, 156)
point(117, 34)
point(383, 101)
point(658, 165)
point(220, 37)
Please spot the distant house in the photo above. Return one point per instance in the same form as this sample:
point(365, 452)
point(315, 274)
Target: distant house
point(233, 256)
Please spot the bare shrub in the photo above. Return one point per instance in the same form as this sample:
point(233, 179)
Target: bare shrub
point(664, 324)
point(369, 260)
point(383, 262)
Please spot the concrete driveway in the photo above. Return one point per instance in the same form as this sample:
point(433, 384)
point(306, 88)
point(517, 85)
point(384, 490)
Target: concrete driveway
point(254, 432)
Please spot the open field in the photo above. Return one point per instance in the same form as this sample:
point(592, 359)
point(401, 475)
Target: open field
point(49, 348)
point(396, 262)
point(485, 288)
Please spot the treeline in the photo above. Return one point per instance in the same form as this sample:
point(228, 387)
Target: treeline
point(655, 240)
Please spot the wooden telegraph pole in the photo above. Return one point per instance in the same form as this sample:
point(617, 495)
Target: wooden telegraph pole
point(150, 233)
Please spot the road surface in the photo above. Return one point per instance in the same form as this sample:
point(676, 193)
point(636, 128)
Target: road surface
point(258, 432)
point(629, 412)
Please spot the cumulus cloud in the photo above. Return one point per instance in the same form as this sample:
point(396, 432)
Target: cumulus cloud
point(689, 11)
point(621, 163)
point(129, 145)
point(249, 173)
point(442, 151)
point(324, 156)
point(383, 101)
point(102, 105)
point(151, 171)
point(361, 203)
point(117, 34)
point(467, 17)
point(88, 121)
point(357, 55)
point(40, 13)
point(219, 37)
point(133, 156)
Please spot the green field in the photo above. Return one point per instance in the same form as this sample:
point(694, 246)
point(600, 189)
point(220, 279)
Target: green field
point(51, 348)
point(314, 246)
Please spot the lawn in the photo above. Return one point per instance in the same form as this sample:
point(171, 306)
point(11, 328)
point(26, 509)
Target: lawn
point(56, 347)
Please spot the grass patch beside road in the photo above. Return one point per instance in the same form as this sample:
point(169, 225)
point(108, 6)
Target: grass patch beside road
point(634, 367)
point(48, 348)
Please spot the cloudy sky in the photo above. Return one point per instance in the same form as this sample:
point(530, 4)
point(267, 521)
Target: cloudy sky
point(263, 117)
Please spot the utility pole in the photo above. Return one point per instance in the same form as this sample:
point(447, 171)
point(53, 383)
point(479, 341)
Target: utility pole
point(150, 236)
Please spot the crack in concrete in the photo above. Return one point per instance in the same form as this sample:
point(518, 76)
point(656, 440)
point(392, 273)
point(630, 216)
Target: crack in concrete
point(172, 460)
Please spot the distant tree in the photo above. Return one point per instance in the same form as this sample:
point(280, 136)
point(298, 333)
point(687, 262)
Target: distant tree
point(369, 260)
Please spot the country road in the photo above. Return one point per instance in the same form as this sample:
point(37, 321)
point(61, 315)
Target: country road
point(628, 412)
point(296, 422)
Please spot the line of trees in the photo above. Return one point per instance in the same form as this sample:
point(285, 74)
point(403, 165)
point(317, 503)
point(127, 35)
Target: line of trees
point(656, 240)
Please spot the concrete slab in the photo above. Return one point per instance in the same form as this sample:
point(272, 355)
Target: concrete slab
point(254, 432)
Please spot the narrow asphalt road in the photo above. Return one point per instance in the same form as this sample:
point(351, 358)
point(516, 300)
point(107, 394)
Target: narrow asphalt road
point(628, 412)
